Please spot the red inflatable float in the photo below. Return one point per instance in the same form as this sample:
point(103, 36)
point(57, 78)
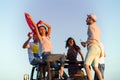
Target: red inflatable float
point(30, 23)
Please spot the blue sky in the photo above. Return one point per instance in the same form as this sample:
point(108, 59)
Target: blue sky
point(67, 18)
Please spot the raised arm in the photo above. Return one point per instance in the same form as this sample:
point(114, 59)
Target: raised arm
point(36, 29)
point(26, 45)
point(49, 28)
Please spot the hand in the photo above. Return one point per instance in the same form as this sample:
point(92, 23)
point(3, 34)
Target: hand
point(40, 22)
point(30, 34)
point(83, 44)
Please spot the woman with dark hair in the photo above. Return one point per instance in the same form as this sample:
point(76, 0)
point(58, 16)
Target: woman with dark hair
point(72, 53)
point(45, 46)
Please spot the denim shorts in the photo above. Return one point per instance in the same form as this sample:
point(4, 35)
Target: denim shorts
point(102, 69)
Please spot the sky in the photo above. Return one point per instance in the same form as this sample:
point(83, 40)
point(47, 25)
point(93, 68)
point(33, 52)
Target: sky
point(68, 19)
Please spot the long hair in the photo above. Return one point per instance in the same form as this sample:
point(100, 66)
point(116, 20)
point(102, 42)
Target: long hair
point(76, 47)
point(44, 28)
